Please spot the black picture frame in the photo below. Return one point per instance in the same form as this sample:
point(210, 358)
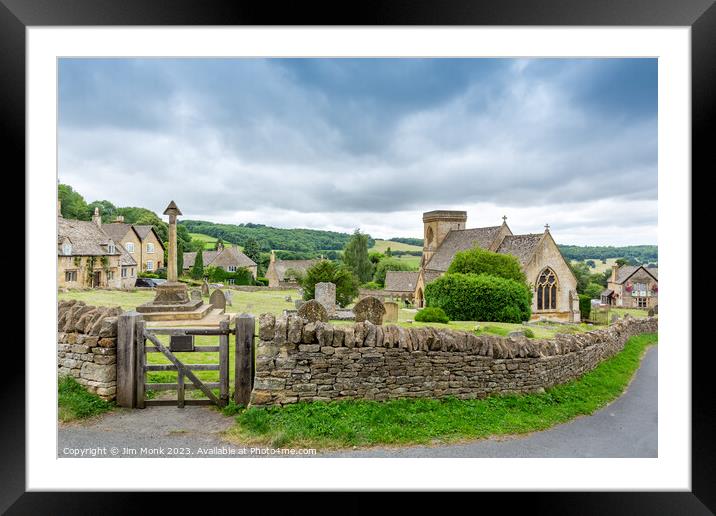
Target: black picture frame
point(700, 15)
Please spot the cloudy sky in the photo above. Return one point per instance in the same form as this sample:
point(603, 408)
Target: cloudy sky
point(341, 144)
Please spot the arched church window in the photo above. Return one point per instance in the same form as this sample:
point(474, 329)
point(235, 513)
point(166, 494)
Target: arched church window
point(547, 290)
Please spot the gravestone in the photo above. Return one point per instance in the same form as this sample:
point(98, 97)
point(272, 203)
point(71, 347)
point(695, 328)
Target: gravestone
point(615, 318)
point(391, 311)
point(204, 288)
point(298, 303)
point(228, 294)
point(313, 311)
point(195, 294)
point(218, 299)
point(326, 295)
point(288, 299)
point(369, 309)
point(651, 312)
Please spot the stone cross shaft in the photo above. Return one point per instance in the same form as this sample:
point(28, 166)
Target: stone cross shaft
point(172, 210)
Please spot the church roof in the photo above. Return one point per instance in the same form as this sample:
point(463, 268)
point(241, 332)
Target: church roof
point(461, 240)
point(521, 247)
point(401, 281)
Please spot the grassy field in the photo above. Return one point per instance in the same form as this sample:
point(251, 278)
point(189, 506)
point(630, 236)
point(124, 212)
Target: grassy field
point(74, 402)
point(433, 421)
point(210, 241)
point(381, 246)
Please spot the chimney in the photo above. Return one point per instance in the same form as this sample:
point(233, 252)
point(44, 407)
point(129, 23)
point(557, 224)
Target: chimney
point(273, 256)
point(614, 273)
point(96, 218)
point(119, 218)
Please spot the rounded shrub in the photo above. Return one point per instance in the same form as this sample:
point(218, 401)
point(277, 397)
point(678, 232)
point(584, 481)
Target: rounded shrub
point(432, 314)
point(482, 261)
point(480, 297)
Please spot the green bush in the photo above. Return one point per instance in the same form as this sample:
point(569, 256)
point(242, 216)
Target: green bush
point(262, 281)
point(480, 297)
point(585, 306)
point(242, 276)
point(481, 261)
point(593, 290)
point(432, 314)
point(327, 271)
point(389, 264)
point(529, 333)
point(372, 285)
point(147, 275)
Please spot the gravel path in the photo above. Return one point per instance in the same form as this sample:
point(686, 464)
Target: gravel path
point(625, 428)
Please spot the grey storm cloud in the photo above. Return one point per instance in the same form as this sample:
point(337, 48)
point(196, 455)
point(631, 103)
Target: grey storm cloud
point(309, 136)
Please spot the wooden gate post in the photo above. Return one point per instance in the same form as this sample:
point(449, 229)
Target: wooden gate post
point(126, 358)
point(224, 363)
point(243, 371)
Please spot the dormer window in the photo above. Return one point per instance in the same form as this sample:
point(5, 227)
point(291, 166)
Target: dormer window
point(67, 249)
point(111, 248)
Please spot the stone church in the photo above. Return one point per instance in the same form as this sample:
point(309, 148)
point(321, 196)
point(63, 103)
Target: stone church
point(548, 273)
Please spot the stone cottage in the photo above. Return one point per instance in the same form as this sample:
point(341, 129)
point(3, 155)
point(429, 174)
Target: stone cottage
point(278, 269)
point(89, 257)
point(632, 286)
point(548, 273)
point(141, 241)
point(228, 258)
point(401, 284)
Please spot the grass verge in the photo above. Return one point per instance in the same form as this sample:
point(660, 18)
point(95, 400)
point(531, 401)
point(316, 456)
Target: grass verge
point(76, 403)
point(424, 421)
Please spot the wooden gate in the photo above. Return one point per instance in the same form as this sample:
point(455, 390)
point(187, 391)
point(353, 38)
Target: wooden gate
point(135, 341)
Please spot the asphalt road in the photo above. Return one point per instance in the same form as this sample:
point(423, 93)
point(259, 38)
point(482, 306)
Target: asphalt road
point(625, 428)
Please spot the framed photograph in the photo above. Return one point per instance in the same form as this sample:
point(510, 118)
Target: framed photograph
point(343, 251)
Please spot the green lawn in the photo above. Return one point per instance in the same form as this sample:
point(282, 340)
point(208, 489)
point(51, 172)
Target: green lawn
point(74, 402)
point(210, 241)
point(431, 421)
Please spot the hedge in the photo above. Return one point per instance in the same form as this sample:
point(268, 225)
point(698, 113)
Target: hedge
point(481, 261)
point(585, 306)
point(480, 297)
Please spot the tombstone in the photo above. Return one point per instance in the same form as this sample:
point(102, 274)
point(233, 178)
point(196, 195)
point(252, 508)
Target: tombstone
point(369, 309)
point(218, 299)
point(288, 299)
point(651, 312)
point(326, 295)
point(391, 311)
point(615, 318)
point(228, 294)
point(195, 294)
point(313, 311)
point(656, 309)
point(204, 288)
point(298, 303)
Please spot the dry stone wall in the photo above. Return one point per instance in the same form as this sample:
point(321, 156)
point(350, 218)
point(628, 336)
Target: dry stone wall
point(87, 346)
point(298, 360)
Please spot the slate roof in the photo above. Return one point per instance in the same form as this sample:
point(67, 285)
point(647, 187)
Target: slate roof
point(87, 238)
point(608, 292)
point(281, 266)
point(144, 230)
point(431, 276)
point(520, 246)
point(625, 271)
point(226, 257)
point(125, 259)
point(461, 240)
point(116, 230)
point(401, 281)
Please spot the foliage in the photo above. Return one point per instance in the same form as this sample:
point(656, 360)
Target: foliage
point(355, 256)
point(409, 241)
point(147, 275)
point(292, 274)
point(73, 205)
point(585, 306)
point(161, 273)
point(311, 241)
point(180, 257)
point(432, 314)
point(529, 333)
point(638, 253)
point(593, 290)
point(75, 402)
point(375, 257)
point(388, 252)
point(482, 261)
point(219, 244)
point(107, 210)
point(372, 285)
point(389, 264)
point(480, 297)
point(327, 271)
point(586, 279)
point(197, 270)
point(590, 264)
point(262, 281)
point(242, 276)
point(423, 421)
point(252, 249)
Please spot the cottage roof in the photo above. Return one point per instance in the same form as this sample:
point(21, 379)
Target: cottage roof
point(229, 256)
point(116, 230)
point(401, 281)
point(461, 240)
point(626, 271)
point(125, 259)
point(521, 247)
point(281, 266)
point(144, 230)
point(429, 276)
point(87, 238)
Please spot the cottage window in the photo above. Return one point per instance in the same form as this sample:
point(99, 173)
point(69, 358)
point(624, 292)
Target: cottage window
point(231, 268)
point(111, 248)
point(641, 302)
point(150, 248)
point(150, 265)
point(124, 272)
point(70, 275)
point(67, 249)
point(230, 281)
point(132, 273)
point(110, 275)
point(130, 247)
point(547, 290)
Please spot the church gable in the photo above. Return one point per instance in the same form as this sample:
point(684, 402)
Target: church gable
point(546, 254)
point(461, 240)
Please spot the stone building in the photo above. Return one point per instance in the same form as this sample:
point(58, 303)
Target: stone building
point(87, 257)
point(632, 287)
point(548, 273)
point(276, 273)
point(141, 241)
point(401, 284)
point(228, 258)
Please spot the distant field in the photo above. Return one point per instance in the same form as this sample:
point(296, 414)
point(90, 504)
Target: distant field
point(381, 245)
point(601, 267)
point(210, 241)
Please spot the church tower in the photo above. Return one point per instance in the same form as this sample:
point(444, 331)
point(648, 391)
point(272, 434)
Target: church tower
point(436, 225)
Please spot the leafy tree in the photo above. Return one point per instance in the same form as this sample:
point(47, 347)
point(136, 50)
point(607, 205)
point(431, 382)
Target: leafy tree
point(73, 205)
point(585, 306)
point(355, 256)
point(184, 236)
point(197, 271)
point(149, 218)
point(482, 261)
point(622, 261)
point(388, 252)
point(195, 245)
point(590, 264)
point(389, 264)
point(375, 257)
point(252, 249)
point(480, 297)
point(593, 290)
point(106, 209)
point(296, 275)
point(582, 273)
point(327, 271)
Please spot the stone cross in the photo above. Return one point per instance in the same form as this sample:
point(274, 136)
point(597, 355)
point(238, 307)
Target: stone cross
point(172, 210)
